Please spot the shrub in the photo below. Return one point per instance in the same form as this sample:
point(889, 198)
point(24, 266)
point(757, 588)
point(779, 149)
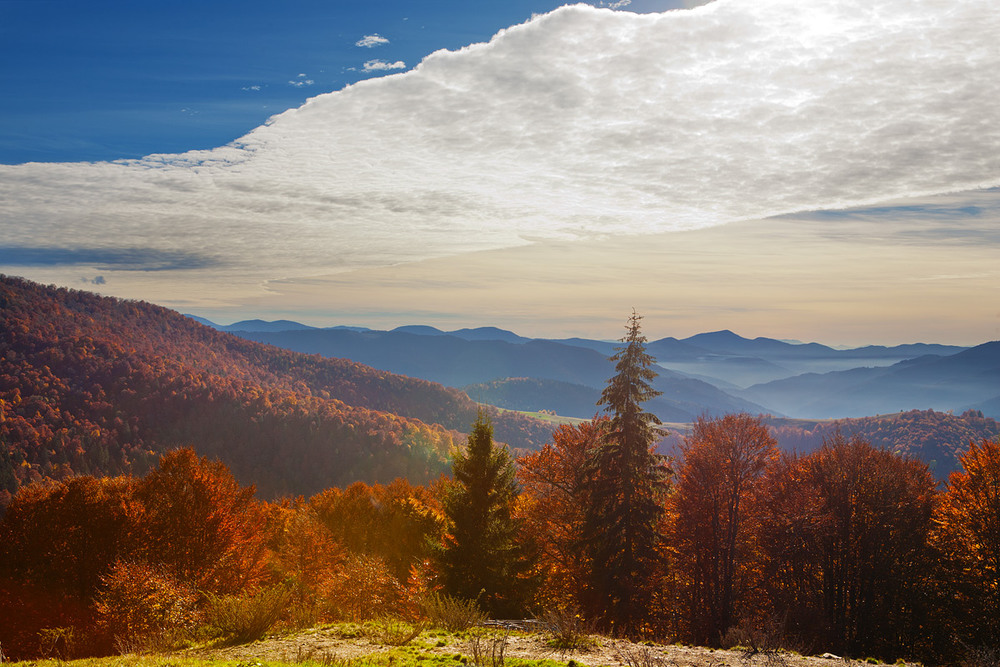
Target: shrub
point(451, 613)
point(980, 656)
point(488, 648)
point(362, 588)
point(568, 628)
point(243, 618)
point(56, 642)
point(757, 641)
point(392, 632)
point(144, 607)
point(635, 655)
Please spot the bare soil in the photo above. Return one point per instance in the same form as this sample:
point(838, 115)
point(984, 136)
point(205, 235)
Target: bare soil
point(327, 645)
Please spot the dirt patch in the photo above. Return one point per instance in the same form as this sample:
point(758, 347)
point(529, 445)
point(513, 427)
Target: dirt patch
point(329, 646)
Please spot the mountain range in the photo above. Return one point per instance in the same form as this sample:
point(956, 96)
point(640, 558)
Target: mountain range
point(103, 386)
point(709, 373)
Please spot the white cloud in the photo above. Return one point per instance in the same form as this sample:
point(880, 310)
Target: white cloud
point(252, 88)
point(301, 81)
point(378, 65)
point(370, 41)
point(580, 123)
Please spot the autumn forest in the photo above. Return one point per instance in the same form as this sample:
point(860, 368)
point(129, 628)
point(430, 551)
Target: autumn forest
point(155, 473)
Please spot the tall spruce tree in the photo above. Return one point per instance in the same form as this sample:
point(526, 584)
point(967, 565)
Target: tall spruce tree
point(482, 558)
point(626, 482)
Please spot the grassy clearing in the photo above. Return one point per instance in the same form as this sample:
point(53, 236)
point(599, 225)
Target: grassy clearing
point(405, 657)
point(553, 419)
point(428, 648)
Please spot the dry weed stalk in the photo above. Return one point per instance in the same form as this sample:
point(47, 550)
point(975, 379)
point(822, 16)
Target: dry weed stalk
point(639, 655)
point(487, 648)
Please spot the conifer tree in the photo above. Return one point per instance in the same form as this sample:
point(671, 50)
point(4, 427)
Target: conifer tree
point(482, 558)
point(626, 484)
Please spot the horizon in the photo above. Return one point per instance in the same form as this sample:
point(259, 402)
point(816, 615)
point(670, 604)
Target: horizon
point(827, 171)
point(651, 339)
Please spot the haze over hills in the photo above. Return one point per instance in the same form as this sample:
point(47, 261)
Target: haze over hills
point(967, 380)
point(709, 373)
point(463, 358)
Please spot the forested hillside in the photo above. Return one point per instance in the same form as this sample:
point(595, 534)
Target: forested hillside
point(103, 386)
point(936, 438)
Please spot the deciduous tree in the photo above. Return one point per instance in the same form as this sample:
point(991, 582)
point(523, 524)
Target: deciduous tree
point(202, 524)
point(865, 523)
point(713, 508)
point(967, 535)
point(553, 502)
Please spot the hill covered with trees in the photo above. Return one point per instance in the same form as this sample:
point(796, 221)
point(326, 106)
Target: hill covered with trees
point(936, 438)
point(103, 386)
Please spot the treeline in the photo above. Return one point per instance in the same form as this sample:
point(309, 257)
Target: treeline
point(102, 386)
point(92, 566)
point(849, 549)
point(937, 438)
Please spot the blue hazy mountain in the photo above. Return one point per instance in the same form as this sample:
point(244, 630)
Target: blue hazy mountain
point(969, 379)
point(710, 373)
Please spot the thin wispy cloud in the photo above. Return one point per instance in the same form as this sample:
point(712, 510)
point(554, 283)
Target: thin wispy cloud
point(301, 81)
point(370, 41)
point(381, 65)
point(580, 123)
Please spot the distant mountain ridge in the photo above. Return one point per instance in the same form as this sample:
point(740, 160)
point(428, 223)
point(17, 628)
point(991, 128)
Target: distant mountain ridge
point(458, 362)
point(708, 373)
point(967, 380)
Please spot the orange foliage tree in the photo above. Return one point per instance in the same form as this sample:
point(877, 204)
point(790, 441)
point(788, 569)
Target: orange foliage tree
point(862, 517)
point(396, 522)
point(551, 505)
point(202, 524)
point(302, 550)
point(714, 514)
point(967, 534)
point(63, 536)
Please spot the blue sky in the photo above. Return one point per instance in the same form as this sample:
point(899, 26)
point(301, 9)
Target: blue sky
point(104, 80)
point(823, 170)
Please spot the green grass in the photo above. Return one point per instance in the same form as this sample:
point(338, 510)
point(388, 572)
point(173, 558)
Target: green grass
point(553, 419)
point(395, 658)
point(423, 651)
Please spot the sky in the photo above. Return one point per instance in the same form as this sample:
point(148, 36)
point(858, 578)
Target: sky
point(820, 170)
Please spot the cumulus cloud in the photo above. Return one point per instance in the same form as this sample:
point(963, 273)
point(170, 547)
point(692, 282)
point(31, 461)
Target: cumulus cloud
point(378, 65)
point(579, 123)
point(370, 41)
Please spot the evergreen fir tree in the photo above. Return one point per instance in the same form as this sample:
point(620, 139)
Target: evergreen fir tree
point(482, 558)
point(626, 482)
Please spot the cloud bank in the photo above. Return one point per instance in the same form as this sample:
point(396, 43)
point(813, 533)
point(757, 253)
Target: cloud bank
point(579, 123)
